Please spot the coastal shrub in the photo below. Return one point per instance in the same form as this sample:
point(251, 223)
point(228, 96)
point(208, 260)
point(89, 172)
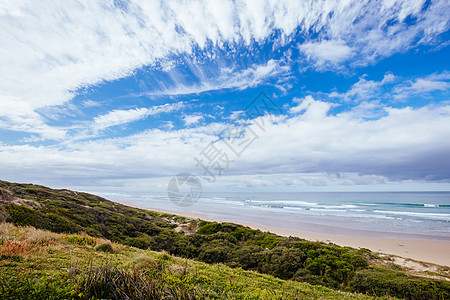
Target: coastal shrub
point(24, 216)
point(3, 214)
point(266, 240)
point(242, 233)
point(74, 212)
point(141, 240)
point(184, 248)
point(164, 240)
point(221, 236)
point(202, 223)
point(282, 262)
point(228, 227)
point(209, 228)
point(379, 282)
point(247, 257)
point(287, 258)
point(216, 251)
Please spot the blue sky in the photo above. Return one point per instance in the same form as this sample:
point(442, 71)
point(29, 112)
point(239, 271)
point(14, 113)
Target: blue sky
point(116, 97)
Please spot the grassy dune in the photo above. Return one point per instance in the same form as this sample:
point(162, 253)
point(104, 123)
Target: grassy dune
point(38, 264)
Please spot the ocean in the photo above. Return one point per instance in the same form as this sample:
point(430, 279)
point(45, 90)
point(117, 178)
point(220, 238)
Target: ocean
point(424, 215)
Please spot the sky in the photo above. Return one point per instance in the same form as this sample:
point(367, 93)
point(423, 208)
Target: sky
point(116, 97)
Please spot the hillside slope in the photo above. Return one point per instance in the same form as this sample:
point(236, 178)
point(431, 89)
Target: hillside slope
point(37, 264)
point(343, 268)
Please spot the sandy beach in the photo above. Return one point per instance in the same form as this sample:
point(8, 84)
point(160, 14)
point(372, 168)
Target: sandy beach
point(431, 251)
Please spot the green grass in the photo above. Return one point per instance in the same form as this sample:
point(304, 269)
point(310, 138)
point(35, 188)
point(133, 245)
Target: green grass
point(44, 265)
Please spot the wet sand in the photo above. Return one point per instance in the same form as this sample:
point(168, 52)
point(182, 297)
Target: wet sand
point(417, 248)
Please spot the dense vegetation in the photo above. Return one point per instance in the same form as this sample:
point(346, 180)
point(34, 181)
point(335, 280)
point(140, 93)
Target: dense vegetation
point(237, 246)
point(36, 264)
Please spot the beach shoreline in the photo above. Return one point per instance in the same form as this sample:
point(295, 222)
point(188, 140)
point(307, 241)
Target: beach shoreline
point(424, 250)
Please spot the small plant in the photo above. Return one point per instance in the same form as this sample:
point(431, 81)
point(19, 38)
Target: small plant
point(164, 256)
point(146, 263)
point(82, 240)
point(105, 247)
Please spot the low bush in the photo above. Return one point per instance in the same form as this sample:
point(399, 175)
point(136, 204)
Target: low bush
point(105, 247)
point(82, 240)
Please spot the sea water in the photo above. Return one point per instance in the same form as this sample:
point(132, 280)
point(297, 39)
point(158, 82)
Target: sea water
point(380, 214)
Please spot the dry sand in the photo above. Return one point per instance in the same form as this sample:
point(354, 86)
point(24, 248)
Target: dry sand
point(431, 251)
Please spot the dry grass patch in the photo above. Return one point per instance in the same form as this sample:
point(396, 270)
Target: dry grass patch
point(14, 249)
point(19, 241)
point(7, 230)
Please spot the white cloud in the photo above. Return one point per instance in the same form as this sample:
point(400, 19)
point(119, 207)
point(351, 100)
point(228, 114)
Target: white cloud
point(403, 144)
point(51, 49)
point(303, 104)
point(227, 78)
point(192, 119)
point(365, 90)
point(327, 52)
point(368, 110)
point(421, 86)
point(392, 87)
point(19, 116)
point(168, 125)
point(377, 29)
point(91, 103)
point(119, 117)
point(235, 114)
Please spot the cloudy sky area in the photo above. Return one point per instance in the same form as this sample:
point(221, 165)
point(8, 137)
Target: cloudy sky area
point(116, 97)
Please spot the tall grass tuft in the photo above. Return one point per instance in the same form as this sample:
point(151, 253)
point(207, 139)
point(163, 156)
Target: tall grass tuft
point(7, 230)
point(110, 282)
point(105, 247)
point(40, 237)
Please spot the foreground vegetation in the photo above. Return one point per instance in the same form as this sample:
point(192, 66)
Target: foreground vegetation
point(37, 264)
point(233, 245)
